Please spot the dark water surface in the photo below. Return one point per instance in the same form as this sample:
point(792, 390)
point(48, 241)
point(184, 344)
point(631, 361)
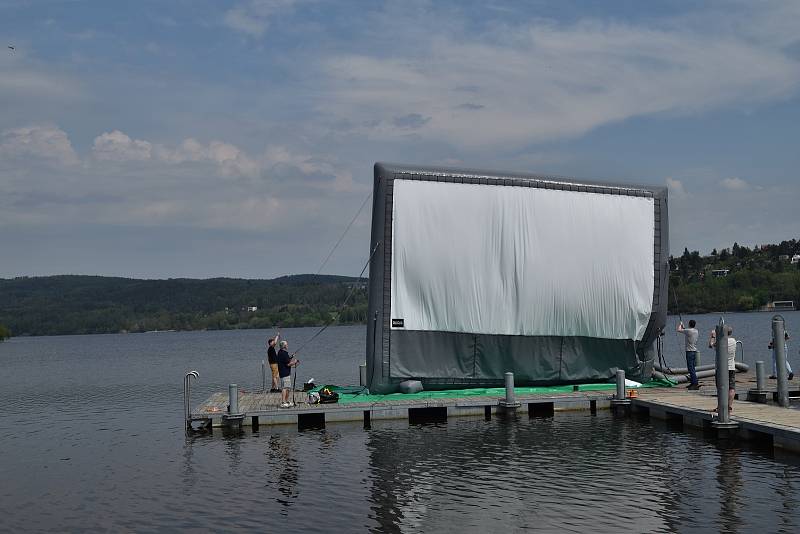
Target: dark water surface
point(91, 439)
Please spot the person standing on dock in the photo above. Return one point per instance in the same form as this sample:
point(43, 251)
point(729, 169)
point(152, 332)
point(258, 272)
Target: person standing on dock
point(272, 358)
point(691, 334)
point(712, 343)
point(285, 364)
point(771, 347)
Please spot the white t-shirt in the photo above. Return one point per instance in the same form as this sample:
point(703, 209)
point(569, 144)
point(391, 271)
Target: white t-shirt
point(731, 354)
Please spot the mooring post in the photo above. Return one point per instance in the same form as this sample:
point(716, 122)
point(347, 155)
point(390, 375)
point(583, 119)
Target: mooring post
point(759, 393)
point(761, 378)
point(779, 346)
point(620, 384)
point(723, 409)
point(510, 398)
point(724, 426)
point(233, 419)
point(263, 376)
point(510, 401)
point(620, 400)
point(233, 399)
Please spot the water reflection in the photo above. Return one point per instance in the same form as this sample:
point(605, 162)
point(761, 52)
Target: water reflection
point(729, 480)
point(786, 492)
point(282, 458)
point(543, 474)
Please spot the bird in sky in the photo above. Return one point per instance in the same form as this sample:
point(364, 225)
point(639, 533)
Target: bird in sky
point(12, 47)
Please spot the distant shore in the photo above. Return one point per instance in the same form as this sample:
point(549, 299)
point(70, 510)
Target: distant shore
point(739, 279)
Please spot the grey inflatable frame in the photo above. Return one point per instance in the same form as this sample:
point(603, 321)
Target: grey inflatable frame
point(450, 360)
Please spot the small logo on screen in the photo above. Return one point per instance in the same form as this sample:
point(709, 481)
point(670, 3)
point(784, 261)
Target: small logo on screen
point(397, 323)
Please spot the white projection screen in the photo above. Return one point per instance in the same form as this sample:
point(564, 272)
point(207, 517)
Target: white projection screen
point(520, 261)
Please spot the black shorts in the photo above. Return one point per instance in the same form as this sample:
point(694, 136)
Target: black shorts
point(731, 379)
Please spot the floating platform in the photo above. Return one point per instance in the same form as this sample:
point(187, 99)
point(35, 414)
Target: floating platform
point(756, 421)
point(264, 408)
point(257, 408)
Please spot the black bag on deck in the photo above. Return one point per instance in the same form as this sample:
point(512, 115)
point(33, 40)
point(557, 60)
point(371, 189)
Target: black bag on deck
point(327, 396)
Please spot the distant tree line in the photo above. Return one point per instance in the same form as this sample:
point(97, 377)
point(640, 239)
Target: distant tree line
point(94, 304)
point(755, 276)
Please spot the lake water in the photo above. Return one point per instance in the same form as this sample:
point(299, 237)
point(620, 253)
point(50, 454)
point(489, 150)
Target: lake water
point(91, 439)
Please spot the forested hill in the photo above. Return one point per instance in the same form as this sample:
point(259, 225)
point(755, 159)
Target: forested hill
point(97, 304)
point(735, 279)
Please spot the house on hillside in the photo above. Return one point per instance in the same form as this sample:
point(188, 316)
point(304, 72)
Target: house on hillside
point(720, 273)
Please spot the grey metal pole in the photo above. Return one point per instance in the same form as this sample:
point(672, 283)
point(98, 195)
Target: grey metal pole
point(723, 408)
point(233, 399)
point(761, 378)
point(620, 384)
point(510, 398)
point(263, 376)
point(779, 346)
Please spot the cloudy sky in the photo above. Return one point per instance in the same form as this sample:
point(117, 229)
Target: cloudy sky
point(203, 138)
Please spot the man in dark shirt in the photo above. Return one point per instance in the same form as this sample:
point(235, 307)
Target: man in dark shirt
point(285, 364)
point(272, 358)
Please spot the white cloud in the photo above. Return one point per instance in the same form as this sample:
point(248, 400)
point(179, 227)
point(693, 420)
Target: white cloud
point(276, 162)
point(230, 160)
point(544, 81)
point(47, 142)
point(735, 184)
point(252, 18)
point(116, 146)
point(676, 187)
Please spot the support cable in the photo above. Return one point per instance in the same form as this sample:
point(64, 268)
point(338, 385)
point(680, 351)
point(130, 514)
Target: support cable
point(344, 304)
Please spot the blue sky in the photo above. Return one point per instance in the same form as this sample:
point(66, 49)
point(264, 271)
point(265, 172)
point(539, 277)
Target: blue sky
point(199, 139)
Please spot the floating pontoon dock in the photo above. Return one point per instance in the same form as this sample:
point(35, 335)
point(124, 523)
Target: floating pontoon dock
point(263, 408)
point(780, 426)
point(756, 421)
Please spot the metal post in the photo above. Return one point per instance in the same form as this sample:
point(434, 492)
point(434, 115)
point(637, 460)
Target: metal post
point(620, 403)
point(510, 401)
point(759, 394)
point(620, 384)
point(761, 377)
point(263, 376)
point(362, 374)
point(779, 344)
point(233, 399)
point(723, 412)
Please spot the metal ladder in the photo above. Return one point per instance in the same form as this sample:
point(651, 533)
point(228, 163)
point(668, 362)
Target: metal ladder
point(187, 393)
